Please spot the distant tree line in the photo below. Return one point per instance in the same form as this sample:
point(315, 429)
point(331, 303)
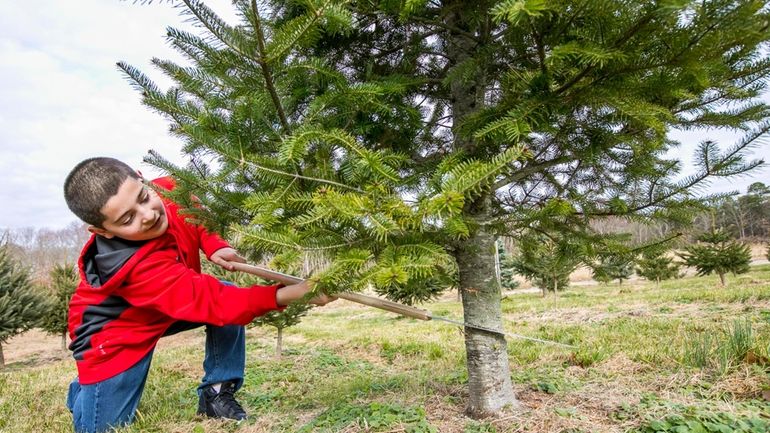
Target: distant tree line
point(742, 216)
point(40, 249)
point(716, 242)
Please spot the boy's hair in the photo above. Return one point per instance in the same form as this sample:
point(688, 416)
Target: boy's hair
point(91, 183)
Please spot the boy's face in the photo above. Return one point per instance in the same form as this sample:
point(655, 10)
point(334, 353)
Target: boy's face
point(135, 213)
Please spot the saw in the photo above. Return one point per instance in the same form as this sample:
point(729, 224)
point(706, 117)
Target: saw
point(383, 304)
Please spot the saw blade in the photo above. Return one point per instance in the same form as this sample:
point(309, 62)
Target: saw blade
point(494, 331)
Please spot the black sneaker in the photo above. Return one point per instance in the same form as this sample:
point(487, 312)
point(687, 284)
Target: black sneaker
point(221, 404)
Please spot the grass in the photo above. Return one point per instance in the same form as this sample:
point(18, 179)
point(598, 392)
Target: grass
point(684, 357)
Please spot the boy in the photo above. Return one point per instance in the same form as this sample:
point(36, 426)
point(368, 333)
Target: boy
point(140, 280)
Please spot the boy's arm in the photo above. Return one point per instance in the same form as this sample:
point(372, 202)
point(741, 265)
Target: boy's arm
point(162, 283)
point(210, 242)
point(217, 250)
point(224, 257)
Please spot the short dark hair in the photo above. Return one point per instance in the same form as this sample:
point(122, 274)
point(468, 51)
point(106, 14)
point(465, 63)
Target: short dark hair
point(90, 185)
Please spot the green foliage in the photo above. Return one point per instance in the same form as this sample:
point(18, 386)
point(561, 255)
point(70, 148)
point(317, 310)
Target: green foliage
point(289, 316)
point(320, 127)
point(507, 272)
point(679, 418)
point(289, 393)
point(373, 416)
point(390, 139)
point(289, 263)
point(719, 351)
point(390, 350)
point(546, 261)
point(21, 307)
point(717, 253)
point(479, 427)
point(64, 279)
point(656, 266)
point(614, 266)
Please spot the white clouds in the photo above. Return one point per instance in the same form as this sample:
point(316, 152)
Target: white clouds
point(62, 99)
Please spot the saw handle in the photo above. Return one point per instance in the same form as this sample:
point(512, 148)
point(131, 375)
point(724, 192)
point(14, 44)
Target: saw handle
point(383, 304)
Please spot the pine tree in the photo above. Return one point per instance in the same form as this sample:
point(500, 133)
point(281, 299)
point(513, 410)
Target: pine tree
point(656, 265)
point(280, 320)
point(614, 266)
point(63, 281)
point(288, 263)
point(547, 262)
point(507, 272)
point(716, 253)
point(398, 140)
point(20, 306)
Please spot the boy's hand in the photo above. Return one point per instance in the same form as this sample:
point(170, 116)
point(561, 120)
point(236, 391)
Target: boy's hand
point(320, 300)
point(225, 256)
point(289, 294)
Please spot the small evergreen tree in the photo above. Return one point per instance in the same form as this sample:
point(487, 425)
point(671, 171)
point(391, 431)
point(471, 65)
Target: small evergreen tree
point(546, 261)
point(657, 266)
point(63, 281)
point(717, 253)
point(280, 320)
point(507, 270)
point(613, 266)
point(290, 263)
point(20, 306)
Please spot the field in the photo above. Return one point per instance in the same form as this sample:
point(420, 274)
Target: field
point(685, 357)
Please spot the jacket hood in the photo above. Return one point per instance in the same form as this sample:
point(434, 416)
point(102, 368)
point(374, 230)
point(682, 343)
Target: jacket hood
point(105, 257)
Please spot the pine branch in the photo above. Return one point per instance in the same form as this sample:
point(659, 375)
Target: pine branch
point(294, 175)
point(618, 43)
point(709, 169)
point(265, 67)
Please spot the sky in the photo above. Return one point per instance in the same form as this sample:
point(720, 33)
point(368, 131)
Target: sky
point(62, 100)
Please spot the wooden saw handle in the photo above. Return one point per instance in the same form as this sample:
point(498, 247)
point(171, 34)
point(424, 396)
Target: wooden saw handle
point(383, 304)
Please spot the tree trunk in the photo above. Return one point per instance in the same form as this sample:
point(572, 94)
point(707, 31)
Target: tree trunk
point(64, 341)
point(2, 358)
point(279, 343)
point(722, 280)
point(497, 266)
point(489, 377)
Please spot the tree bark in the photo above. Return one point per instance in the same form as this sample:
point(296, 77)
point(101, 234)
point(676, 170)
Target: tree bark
point(489, 377)
point(2, 357)
point(722, 280)
point(64, 341)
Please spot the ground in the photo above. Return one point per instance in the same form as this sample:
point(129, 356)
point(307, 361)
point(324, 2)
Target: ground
point(680, 358)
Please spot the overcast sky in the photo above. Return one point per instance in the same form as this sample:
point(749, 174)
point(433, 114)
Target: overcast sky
point(63, 100)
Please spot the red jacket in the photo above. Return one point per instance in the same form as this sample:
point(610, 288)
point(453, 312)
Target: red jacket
point(114, 321)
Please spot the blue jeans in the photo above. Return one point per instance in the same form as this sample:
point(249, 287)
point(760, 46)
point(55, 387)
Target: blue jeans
point(112, 402)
